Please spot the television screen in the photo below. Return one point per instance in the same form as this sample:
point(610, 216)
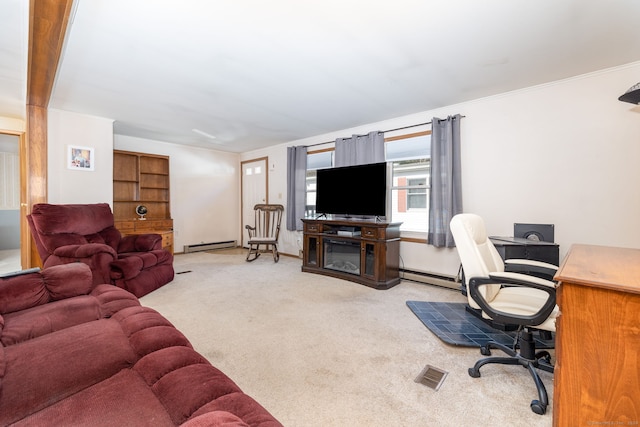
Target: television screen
point(353, 190)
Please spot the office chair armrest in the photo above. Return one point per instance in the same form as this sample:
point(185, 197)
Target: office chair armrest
point(525, 280)
point(536, 268)
point(520, 280)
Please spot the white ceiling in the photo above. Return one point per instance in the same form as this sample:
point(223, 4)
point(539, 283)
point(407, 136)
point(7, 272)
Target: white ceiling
point(256, 73)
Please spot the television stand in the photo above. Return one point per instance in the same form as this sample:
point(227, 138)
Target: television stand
point(362, 251)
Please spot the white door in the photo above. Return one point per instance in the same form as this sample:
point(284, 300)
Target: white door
point(254, 191)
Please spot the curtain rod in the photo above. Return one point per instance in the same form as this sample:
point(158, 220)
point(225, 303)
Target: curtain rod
point(384, 131)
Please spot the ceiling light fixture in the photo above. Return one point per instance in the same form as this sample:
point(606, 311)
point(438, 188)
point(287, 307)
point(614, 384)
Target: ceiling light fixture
point(632, 95)
point(208, 135)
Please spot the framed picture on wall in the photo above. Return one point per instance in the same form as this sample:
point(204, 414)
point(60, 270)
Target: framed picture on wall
point(80, 158)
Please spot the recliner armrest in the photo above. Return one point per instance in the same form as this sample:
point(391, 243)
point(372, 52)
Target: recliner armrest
point(140, 243)
point(126, 268)
point(86, 250)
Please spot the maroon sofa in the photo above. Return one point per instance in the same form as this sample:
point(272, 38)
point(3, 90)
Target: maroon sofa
point(75, 353)
point(86, 233)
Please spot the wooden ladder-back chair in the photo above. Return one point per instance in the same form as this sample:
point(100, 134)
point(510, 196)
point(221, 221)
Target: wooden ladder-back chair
point(265, 231)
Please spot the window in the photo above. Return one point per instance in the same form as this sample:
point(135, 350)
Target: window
point(315, 160)
point(409, 156)
point(417, 193)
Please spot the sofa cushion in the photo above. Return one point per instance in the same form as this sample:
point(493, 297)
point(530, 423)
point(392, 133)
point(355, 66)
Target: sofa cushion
point(215, 418)
point(148, 331)
point(112, 299)
point(53, 367)
point(44, 319)
point(103, 302)
point(243, 406)
point(121, 400)
point(21, 292)
point(69, 280)
point(183, 380)
point(3, 366)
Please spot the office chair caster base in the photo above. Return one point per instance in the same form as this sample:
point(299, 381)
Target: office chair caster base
point(544, 355)
point(538, 407)
point(474, 373)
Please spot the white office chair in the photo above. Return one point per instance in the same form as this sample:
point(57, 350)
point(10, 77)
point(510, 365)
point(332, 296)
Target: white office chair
point(509, 298)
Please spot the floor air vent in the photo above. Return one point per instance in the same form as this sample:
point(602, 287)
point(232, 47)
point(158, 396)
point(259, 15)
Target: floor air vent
point(210, 246)
point(432, 377)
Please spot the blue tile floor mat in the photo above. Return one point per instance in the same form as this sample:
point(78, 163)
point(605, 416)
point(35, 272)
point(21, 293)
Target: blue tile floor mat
point(453, 324)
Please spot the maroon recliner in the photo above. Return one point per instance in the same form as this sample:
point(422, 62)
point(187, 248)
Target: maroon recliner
point(86, 233)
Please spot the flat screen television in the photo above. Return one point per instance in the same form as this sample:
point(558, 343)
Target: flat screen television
point(352, 190)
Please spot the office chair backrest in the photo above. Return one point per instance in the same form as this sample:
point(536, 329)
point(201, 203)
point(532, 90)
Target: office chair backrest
point(477, 254)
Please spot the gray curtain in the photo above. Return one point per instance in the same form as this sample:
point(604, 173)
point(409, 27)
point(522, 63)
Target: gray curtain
point(360, 149)
point(296, 186)
point(445, 197)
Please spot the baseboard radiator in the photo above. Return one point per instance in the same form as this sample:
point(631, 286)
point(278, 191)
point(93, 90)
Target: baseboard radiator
point(210, 246)
point(443, 280)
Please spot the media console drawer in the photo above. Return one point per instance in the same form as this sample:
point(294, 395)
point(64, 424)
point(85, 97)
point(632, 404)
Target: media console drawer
point(372, 233)
point(312, 228)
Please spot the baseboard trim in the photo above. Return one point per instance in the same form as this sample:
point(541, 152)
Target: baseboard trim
point(442, 280)
point(209, 246)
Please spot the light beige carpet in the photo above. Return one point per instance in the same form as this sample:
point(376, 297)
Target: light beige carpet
point(318, 351)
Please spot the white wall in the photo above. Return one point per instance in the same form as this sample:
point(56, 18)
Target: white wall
point(204, 190)
point(79, 186)
point(11, 124)
point(564, 153)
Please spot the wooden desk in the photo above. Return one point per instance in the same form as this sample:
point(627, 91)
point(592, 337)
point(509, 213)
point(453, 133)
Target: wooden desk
point(597, 373)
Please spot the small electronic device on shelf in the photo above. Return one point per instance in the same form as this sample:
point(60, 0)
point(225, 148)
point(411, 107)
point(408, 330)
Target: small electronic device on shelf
point(141, 210)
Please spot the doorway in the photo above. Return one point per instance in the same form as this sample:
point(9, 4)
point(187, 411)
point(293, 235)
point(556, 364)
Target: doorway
point(254, 184)
point(9, 203)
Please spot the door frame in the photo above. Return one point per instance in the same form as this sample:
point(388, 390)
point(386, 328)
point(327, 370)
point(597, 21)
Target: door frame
point(266, 188)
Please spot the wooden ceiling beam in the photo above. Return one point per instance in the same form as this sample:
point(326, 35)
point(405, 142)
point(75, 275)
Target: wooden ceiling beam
point(48, 20)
